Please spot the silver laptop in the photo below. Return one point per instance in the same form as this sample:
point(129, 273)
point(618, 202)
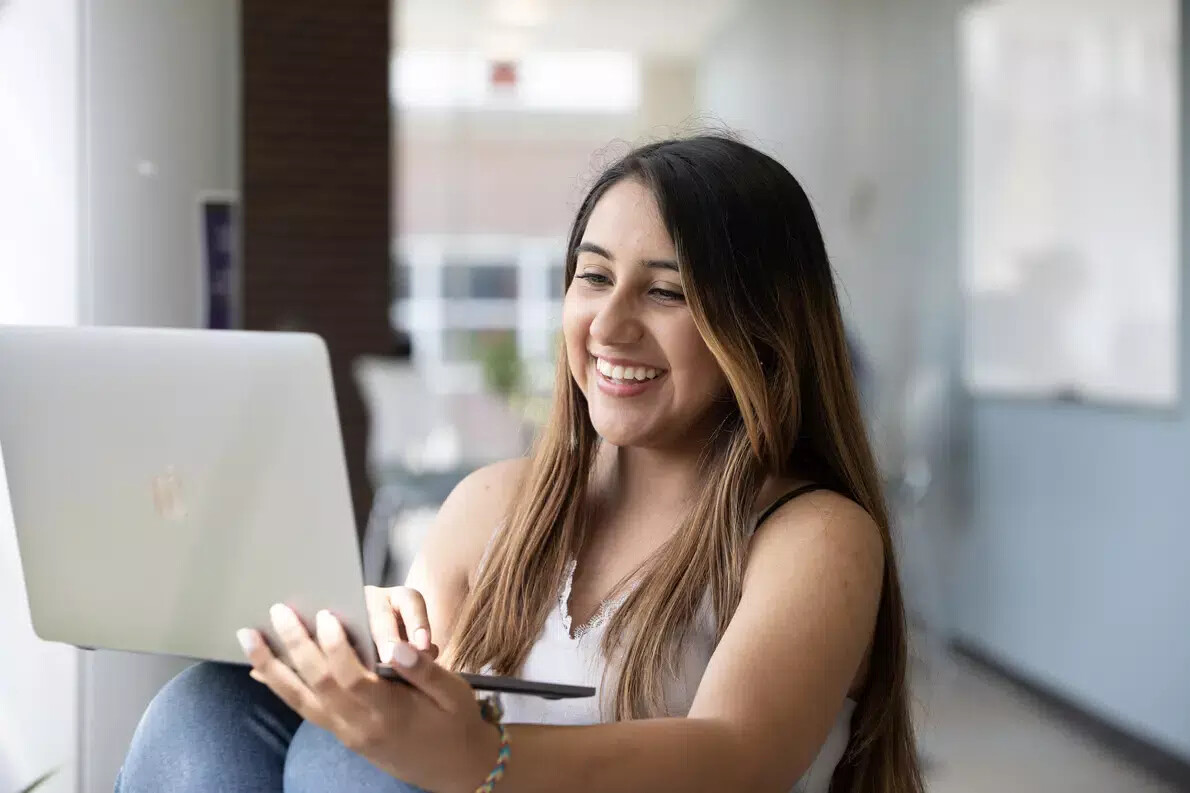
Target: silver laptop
point(169, 486)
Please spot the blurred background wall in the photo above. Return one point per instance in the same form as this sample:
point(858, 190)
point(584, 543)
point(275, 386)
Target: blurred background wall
point(39, 118)
point(1067, 565)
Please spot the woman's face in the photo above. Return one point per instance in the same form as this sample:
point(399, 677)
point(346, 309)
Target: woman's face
point(647, 374)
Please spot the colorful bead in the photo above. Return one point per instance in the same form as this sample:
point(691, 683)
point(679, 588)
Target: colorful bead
point(497, 774)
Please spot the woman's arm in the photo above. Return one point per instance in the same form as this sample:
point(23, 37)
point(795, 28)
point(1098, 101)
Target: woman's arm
point(773, 688)
point(454, 546)
point(763, 709)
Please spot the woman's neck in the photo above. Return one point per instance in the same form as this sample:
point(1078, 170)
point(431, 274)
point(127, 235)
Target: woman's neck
point(636, 476)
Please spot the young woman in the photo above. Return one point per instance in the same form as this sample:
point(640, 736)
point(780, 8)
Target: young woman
point(699, 532)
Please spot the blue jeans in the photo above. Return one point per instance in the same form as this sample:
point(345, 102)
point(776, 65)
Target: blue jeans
point(213, 729)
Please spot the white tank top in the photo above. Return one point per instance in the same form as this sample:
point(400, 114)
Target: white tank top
point(559, 658)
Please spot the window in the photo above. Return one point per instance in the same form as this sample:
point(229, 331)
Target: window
point(1072, 200)
point(401, 280)
point(580, 81)
point(474, 345)
point(483, 281)
point(557, 285)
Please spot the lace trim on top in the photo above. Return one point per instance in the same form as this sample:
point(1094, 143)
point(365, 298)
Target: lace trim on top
point(607, 607)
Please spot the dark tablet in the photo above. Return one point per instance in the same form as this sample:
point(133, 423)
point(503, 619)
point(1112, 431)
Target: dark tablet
point(509, 685)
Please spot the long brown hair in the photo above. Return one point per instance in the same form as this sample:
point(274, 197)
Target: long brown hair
point(759, 285)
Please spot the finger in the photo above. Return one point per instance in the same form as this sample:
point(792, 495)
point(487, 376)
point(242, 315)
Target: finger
point(342, 660)
point(255, 649)
point(382, 619)
point(268, 670)
point(411, 607)
point(305, 656)
point(446, 689)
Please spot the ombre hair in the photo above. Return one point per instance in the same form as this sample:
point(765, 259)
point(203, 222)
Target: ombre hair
point(759, 285)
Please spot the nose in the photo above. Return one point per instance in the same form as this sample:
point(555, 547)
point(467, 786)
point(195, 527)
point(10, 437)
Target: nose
point(616, 321)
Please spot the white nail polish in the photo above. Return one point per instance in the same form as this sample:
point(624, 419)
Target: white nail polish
point(247, 640)
point(386, 652)
point(325, 623)
point(405, 655)
point(283, 616)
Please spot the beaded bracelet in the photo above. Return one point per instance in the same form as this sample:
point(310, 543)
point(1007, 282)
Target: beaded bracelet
point(492, 712)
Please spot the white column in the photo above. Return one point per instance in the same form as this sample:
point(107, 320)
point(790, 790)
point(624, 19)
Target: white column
point(39, 98)
point(161, 127)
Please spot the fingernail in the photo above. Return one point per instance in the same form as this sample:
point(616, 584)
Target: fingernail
point(283, 616)
point(405, 655)
point(422, 638)
point(247, 640)
point(328, 626)
point(386, 652)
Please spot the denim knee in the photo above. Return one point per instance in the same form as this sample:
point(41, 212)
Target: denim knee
point(210, 728)
point(319, 762)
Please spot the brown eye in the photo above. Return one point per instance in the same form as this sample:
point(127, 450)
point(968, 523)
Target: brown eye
point(668, 295)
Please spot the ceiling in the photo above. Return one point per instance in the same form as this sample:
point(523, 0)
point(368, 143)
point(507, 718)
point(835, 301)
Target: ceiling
point(506, 28)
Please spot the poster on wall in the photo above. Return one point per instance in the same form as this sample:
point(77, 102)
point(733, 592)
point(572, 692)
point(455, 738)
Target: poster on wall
point(220, 281)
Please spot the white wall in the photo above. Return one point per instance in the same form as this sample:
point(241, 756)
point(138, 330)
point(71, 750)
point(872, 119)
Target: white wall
point(489, 172)
point(39, 99)
point(39, 95)
point(856, 99)
point(163, 126)
point(1070, 566)
point(1074, 562)
point(114, 117)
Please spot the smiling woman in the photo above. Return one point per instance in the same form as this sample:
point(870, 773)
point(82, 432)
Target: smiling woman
point(625, 316)
point(699, 535)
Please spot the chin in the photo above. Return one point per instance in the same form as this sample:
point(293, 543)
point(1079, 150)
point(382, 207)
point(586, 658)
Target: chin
point(617, 436)
point(620, 433)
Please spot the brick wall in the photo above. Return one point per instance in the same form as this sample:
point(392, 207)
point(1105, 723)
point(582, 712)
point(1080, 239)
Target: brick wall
point(316, 186)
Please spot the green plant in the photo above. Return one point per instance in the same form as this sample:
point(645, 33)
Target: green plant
point(503, 371)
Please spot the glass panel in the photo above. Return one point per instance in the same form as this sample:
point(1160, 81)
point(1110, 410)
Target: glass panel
point(462, 281)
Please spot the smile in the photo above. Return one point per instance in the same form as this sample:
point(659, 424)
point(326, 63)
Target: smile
point(617, 379)
point(626, 374)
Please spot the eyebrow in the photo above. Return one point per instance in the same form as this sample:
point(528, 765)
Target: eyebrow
point(599, 250)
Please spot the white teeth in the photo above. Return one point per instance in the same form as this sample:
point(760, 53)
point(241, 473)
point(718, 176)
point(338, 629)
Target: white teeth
point(625, 373)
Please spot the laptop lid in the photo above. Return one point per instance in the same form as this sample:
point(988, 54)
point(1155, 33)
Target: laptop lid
point(168, 486)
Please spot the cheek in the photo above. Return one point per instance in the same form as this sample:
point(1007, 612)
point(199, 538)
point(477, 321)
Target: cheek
point(575, 328)
point(701, 375)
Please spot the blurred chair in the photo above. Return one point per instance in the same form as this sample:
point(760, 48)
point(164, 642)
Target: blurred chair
point(420, 445)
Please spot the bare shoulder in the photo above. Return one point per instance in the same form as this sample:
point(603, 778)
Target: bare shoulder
point(798, 641)
point(473, 511)
point(486, 493)
point(832, 530)
point(452, 549)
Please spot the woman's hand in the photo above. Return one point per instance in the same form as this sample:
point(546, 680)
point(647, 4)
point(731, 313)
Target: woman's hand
point(429, 733)
point(398, 614)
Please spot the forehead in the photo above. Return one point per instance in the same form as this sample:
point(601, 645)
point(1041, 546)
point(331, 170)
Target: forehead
point(627, 219)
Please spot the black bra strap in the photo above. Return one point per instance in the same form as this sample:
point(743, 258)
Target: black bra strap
point(785, 499)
